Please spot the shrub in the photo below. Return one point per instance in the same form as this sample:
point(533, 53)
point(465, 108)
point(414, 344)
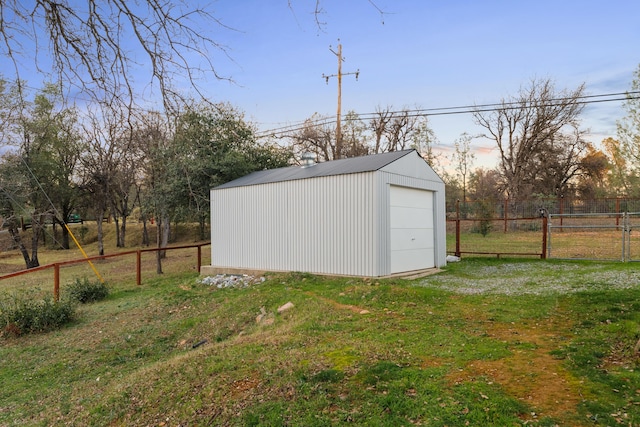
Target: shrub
point(83, 232)
point(84, 291)
point(485, 212)
point(23, 314)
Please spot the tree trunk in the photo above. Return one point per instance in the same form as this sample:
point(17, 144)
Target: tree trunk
point(123, 231)
point(201, 226)
point(42, 232)
point(166, 233)
point(37, 228)
point(17, 240)
point(65, 236)
point(54, 228)
point(119, 242)
point(159, 243)
point(145, 232)
point(99, 218)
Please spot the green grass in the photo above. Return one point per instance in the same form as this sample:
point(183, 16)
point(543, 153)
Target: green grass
point(487, 342)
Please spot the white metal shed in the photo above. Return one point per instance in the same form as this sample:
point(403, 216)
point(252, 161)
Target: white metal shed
point(366, 216)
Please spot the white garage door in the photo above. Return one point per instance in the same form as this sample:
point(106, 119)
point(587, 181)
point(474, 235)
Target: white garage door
point(412, 235)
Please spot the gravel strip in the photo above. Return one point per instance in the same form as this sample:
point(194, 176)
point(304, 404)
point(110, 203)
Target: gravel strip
point(534, 279)
point(225, 281)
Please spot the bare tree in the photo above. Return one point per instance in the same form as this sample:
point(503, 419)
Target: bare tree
point(354, 138)
point(153, 136)
point(124, 183)
point(379, 125)
point(462, 159)
point(392, 129)
point(111, 169)
point(532, 130)
point(560, 164)
point(387, 131)
point(316, 136)
point(14, 198)
point(401, 130)
point(484, 184)
point(99, 163)
point(92, 45)
point(629, 128)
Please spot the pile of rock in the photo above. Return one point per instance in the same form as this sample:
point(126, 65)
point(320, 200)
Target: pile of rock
point(224, 281)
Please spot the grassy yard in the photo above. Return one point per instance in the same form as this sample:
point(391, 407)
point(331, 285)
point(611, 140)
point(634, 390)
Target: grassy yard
point(486, 342)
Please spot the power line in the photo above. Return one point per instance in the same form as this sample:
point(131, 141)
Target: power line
point(427, 112)
point(442, 111)
point(55, 210)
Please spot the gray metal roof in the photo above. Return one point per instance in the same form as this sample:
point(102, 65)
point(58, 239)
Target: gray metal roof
point(369, 163)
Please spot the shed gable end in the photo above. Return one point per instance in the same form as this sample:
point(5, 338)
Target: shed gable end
point(414, 166)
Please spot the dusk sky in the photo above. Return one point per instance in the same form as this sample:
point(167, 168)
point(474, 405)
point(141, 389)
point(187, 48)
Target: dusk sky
point(426, 54)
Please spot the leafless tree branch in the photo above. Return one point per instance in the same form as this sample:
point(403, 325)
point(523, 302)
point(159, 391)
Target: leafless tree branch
point(537, 134)
point(95, 46)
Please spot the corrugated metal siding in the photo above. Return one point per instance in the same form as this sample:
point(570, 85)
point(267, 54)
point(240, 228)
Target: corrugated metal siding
point(338, 224)
point(321, 225)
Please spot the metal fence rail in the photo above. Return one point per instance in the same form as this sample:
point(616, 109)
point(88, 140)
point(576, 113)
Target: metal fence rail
point(138, 264)
point(511, 208)
point(486, 236)
point(596, 229)
point(578, 236)
point(593, 236)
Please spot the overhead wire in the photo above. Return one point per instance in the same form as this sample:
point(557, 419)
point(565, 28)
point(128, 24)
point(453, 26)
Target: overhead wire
point(434, 111)
point(25, 212)
point(442, 111)
point(37, 181)
point(284, 131)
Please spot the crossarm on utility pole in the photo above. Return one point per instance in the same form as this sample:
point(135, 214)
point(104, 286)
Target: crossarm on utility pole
point(338, 153)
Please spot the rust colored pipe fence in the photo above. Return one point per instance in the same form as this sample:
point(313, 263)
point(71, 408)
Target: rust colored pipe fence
point(138, 253)
point(545, 229)
point(498, 253)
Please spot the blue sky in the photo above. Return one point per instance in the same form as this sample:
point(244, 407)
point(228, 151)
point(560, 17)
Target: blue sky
point(427, 53)
point(418, 53)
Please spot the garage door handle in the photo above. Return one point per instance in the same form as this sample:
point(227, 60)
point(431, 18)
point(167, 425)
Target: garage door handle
point(413, 238)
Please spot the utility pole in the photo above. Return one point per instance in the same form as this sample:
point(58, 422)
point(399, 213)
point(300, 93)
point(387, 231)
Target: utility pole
point(338, 153)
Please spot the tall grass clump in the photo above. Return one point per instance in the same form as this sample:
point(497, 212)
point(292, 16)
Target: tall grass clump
point(24, 313)
point(85, 291)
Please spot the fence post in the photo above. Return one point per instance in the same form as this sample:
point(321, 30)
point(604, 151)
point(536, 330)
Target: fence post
point(458, 228)
point(625, 228)
point(505, 214)
point(56, 282)
point(545, 229)
point(138, 268)
point(199, 257)
point(561, 210)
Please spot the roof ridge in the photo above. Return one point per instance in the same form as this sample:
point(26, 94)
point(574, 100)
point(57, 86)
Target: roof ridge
point(361, 164)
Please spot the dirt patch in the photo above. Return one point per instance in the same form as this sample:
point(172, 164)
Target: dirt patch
point(530, 374)
point(242, 387)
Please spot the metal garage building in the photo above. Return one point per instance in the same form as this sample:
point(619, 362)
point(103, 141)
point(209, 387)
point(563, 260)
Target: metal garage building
point(366, 216)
